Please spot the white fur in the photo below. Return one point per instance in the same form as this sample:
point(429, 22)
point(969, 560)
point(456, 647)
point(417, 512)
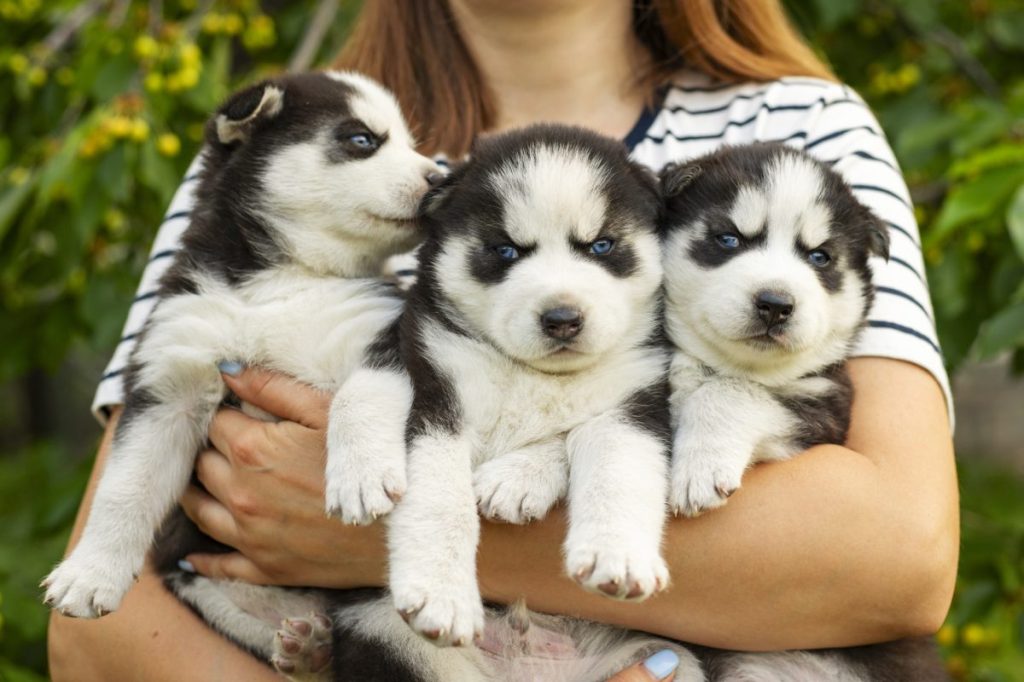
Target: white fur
point(523, 485)
point(616, 508)
point(366, 445)
point(432, 542)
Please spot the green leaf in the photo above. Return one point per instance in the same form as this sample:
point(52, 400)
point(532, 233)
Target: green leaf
point(1015, 221)
point(976, 199)
point(1002, 332)
point(11, 202)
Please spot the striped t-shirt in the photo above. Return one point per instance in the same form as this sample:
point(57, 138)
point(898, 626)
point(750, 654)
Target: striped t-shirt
point(696, 116)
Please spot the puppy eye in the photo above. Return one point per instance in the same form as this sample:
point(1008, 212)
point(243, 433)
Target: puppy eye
point(728, 241)
point(507, 252)
point(602, 247)
point(819, 258)
point(364, 140)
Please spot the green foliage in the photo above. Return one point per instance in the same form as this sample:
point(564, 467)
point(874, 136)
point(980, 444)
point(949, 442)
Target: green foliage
point(946, 83)
point(984, 635)
point(104, 108)
point(39, 493)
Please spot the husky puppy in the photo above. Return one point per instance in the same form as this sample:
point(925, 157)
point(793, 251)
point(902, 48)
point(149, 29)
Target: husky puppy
point(526, 367)
point(767, 285)
point(309, 184)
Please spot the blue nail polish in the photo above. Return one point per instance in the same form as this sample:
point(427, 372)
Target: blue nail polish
point(230, 367)
point(662, 663)
point(186, 566)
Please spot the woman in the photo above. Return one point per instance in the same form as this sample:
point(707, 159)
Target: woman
point(840, 546)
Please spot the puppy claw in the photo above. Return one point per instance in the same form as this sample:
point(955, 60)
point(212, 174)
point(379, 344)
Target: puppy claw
point(302, 645)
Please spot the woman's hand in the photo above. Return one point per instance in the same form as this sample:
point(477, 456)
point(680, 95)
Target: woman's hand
point(265, 494)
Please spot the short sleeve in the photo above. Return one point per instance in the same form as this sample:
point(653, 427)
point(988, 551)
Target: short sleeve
point(901, 324)
point(110, 391)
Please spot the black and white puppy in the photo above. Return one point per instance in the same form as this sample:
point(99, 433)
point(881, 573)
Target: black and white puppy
point(309, 183)
point(767, 285)
point(526, 367)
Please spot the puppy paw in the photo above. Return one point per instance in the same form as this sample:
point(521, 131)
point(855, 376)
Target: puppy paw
point(363, 491)
point(302, 647)
point(509, 490)
point(701, 483)
point(87, 585)
point(447, 617)
point(613, 570)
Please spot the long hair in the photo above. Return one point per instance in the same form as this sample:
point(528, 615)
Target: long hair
point(414, 48)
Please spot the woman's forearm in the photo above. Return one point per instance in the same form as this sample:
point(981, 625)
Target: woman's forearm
point(838, 546)
point(152, 636)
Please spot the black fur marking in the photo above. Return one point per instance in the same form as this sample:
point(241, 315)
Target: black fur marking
point(830, 275)
point(357, 657)
point(823, 418)
point(621, 261)
point(648, 410)
point(384, 353)
point(707, 252)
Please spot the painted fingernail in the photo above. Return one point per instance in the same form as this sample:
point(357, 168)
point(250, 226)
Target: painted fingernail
point(230, 367)
point(186, 566)
point(662, 663)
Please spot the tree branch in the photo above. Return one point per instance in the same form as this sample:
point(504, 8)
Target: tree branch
point(75, 19)
point(304, 55)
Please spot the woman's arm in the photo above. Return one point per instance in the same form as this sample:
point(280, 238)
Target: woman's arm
point(151, 637)
point(839, 546)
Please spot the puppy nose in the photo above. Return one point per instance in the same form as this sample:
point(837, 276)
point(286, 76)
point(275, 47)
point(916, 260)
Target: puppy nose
point(562, 323)
point(773, 306)
point(434, 178)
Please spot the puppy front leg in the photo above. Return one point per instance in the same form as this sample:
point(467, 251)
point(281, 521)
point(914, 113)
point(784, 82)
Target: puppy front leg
point(617, 481)
point(721, 422)
point(432, 540)
point(523, 485)
point(366, 454)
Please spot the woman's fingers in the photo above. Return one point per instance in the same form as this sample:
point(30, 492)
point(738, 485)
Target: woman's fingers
point(212, 517)
point(237, 436)
point(658, 667)
point(230, 565)
point(278, 394)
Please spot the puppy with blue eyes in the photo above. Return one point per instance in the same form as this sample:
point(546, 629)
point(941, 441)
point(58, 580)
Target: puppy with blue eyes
point(528, 363)
point(767, 285)
point(309, 183)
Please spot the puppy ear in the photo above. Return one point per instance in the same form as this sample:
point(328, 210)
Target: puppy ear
point(437, 196)
point(877, 231)
point(675, 177)
point(236, 120)
point(878, 237)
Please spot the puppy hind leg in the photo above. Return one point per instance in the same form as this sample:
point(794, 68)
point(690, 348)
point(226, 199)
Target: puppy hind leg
point(150, 464)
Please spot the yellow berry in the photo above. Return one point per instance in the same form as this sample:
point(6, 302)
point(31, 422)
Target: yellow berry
point(114, 220)
point(36, 76)
point(232, 24)
point(17, 63)
point(975, 243)
point(168, 144)
point(188, 77)
point(118, 126)
point(140, 130)
point(154, 81)
point(973, 635)
point(146, 47)
point(212, 23)
point(946, 636)
point(190, 55)
point(76, 280)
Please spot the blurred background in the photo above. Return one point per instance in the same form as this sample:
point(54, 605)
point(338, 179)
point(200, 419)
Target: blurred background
point(102, 105)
